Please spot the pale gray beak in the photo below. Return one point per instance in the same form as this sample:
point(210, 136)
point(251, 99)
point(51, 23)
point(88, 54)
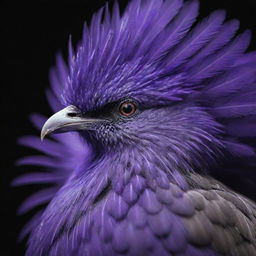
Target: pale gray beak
point(68, 119)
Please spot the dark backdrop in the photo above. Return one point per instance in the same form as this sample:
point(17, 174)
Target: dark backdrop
point(32, 34)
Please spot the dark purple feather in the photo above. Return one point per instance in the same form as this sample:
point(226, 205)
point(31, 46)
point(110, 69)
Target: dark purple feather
point(178, 28)
point(235, 109)
point(248, 58)
point(53, 101)
point(38, 198)
point(164, 13)
point(243, 104)
point(196, 39)
point(37, 120)
point(231, 82)
point(221, 39)
point(221, 60)
point(242, 127)
point(239, 149)
point(30, 225)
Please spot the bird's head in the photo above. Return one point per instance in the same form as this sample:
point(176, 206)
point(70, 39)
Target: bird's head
point(141, 81)
point(181, 129)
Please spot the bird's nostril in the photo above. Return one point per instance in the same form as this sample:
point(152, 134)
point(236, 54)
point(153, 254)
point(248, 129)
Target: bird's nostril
point(72, 114)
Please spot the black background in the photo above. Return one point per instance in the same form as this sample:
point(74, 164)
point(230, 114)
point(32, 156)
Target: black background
point(32, 33)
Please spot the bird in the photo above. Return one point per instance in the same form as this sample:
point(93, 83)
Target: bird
point(151, 147)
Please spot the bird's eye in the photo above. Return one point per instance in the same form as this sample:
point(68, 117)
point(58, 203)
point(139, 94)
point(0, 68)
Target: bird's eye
point(127, 108)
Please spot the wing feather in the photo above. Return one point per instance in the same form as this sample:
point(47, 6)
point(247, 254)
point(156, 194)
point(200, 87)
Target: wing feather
point(227, 218)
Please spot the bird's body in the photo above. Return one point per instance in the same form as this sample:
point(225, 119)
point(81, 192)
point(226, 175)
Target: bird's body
point(141, 214)
point(160, 109)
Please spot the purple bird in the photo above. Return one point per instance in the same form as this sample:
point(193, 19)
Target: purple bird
point(151, 108)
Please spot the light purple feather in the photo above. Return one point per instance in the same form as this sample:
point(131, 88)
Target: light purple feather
point(38, 161)
point(48, 147)
point(37, 178)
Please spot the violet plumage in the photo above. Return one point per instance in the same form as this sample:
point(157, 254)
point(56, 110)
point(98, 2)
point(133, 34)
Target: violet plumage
point(158, 106)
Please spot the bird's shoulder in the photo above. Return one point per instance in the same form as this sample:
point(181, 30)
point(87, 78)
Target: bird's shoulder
point(222, 218)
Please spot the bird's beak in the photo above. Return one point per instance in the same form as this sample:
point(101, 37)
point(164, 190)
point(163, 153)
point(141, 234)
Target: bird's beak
point(68, 119)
